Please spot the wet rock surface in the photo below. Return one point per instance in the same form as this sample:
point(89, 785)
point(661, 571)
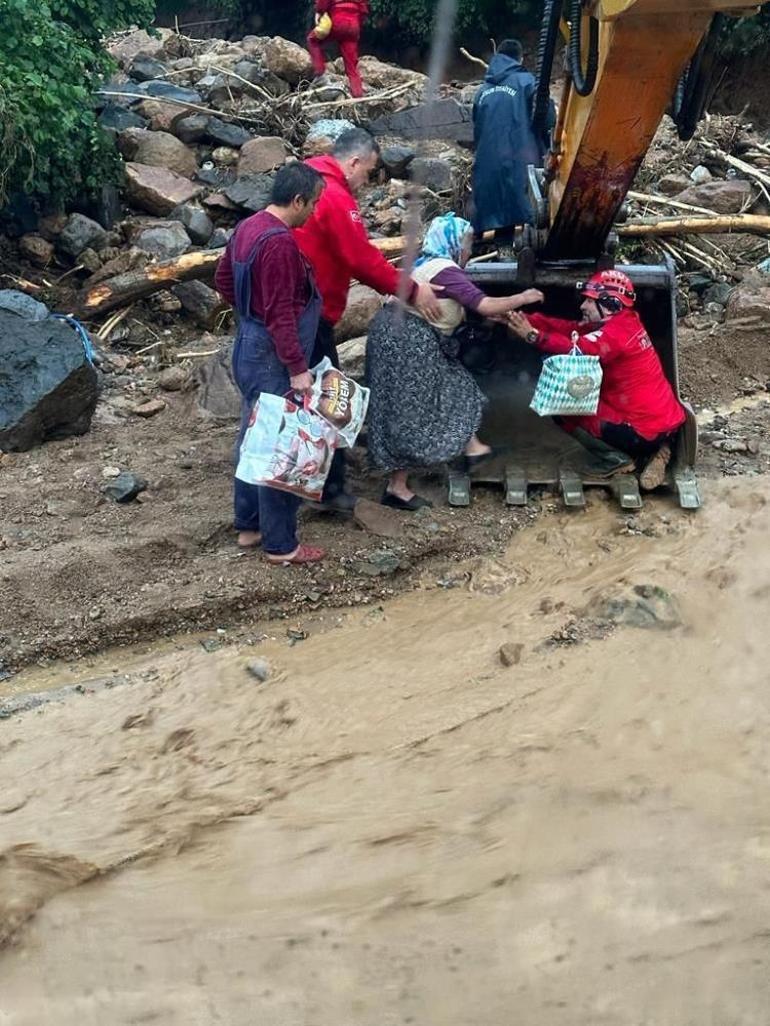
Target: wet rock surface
point(48, 388)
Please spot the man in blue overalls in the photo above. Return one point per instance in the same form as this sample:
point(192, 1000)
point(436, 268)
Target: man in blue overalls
point(271, 285)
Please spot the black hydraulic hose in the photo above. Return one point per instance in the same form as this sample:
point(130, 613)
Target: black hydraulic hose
point(549, 34)
point(692, 93)
point(582, 84)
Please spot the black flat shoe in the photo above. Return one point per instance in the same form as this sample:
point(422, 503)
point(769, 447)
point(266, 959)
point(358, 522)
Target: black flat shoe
point(471, 463)
point(395, 502)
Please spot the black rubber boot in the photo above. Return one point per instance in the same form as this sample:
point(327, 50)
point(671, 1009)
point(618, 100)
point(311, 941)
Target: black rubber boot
point(606, 460)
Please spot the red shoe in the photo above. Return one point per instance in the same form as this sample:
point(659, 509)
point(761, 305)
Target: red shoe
point(301, 555)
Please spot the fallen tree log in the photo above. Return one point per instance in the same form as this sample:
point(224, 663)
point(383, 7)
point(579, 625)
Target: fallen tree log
point(127, 288)
point(753, 223)
point(200, 266)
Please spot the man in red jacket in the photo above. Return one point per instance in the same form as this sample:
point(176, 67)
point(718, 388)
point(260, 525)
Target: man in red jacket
point(347, 17)
point(638, 414)
point(335, 242)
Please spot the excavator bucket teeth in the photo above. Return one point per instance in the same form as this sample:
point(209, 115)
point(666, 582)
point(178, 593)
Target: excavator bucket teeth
point(515, 487)
point(686, 485)
point(539, 452)
point(626, 488)
point(459, 489)
point(571, 488)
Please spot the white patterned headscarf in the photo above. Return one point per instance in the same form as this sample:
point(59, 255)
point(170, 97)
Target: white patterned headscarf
point(444, 239)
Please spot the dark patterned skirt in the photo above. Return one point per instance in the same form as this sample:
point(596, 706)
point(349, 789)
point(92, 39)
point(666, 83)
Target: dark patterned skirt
point(424, 405)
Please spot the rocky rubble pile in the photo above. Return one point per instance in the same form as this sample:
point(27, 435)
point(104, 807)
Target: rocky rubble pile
point(202, 126)
point(723, 277)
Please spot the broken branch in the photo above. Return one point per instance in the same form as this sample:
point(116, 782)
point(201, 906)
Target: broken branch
point(740, 165)
point(754, 223)
point(199, 266)
point(181, 103)
point(665, 201)
point(472, 59)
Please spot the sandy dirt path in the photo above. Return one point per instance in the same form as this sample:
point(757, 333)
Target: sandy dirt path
point(397, 828)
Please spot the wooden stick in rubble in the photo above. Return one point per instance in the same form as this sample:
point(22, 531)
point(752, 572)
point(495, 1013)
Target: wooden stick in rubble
point(127, 288)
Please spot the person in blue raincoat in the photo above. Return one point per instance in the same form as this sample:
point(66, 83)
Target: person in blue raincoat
point(505, 141)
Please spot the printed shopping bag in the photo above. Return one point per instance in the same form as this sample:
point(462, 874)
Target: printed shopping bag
point(286, 446)
point(341, 401)
point(568, 385)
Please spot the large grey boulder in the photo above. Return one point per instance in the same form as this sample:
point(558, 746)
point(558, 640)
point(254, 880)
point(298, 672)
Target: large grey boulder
point(437, 119)
point(199, 225)
point(221, 89)
point(164, 240)
point(750, 300)
point(224, 134)
point(116, 119)
point(396, 159)
point(288, 60)
point(432, 172)
point(125, 48)
point(48, 388)
point(260, 155)
point(81, 233)
point(252, 192)
point(156, 189)
point(23, 305)
point(218, 394)
point(157, 149)
point(145, 69)
point(169, 91)
point(729, 197)
point(191, 128)
point(200, 302)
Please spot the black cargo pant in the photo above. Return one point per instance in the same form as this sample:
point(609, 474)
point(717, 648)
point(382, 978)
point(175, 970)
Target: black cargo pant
point(324, 346)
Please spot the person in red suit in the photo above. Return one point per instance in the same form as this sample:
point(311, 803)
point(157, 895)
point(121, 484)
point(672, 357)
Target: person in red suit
point(638, 414)
point(347, 17)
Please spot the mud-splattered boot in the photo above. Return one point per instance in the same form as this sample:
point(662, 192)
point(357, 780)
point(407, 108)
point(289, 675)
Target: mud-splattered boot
point(654, 474)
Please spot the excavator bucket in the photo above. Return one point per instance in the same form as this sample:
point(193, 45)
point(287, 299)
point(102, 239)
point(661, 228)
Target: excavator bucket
point(535, 451)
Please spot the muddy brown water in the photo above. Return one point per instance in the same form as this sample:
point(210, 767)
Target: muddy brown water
point(396, 828)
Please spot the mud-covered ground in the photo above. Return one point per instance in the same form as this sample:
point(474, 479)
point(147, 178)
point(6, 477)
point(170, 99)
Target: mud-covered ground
point(80, 572)
point(482, 765)
point(532, 790)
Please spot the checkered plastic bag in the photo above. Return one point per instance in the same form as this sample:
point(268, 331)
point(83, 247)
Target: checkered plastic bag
point(568, 385)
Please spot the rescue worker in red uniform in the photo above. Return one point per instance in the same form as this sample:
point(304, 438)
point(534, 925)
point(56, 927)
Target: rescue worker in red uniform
point(347, 17)
point(335, 242)
point(638, 414)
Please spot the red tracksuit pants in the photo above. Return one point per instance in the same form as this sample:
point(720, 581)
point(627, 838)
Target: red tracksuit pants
point(346, 33)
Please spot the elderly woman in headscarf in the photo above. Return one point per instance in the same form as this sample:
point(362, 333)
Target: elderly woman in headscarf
point(425, 408)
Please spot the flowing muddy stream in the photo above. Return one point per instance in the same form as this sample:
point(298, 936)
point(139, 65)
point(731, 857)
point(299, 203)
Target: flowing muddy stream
point(397, 828)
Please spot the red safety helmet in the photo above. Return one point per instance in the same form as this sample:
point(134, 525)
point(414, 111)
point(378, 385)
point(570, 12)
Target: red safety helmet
point(609, 285)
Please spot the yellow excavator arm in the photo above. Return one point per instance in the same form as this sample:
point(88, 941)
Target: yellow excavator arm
point(642, 47)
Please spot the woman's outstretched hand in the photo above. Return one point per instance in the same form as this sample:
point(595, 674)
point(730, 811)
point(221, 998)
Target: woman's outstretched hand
point(529, 296)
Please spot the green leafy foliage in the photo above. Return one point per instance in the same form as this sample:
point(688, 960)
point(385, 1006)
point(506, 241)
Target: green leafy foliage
point(742, 36)
point(214, 6)
point(94, 19)
point(413, 19)
point(51, 61)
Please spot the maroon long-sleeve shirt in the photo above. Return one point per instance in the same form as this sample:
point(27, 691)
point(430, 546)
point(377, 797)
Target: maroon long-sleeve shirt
point(280, 284)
